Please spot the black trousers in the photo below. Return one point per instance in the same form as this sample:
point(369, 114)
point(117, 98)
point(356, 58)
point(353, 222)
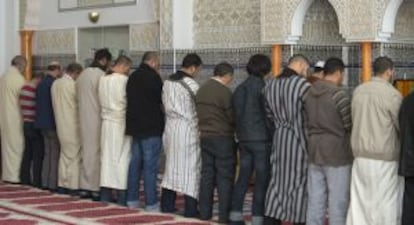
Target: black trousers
point(168, 198)
point(408, 202)
point(273, 221)
point(31, 166)
point(218, 155)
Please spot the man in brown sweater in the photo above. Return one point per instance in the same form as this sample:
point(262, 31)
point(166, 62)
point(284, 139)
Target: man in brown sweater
point(329, 112)
point(214, 110)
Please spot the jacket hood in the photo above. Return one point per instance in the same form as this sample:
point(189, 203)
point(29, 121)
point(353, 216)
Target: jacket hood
point(319, 88)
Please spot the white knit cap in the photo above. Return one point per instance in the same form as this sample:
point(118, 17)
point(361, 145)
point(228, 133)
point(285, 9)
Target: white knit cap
point(320, 64)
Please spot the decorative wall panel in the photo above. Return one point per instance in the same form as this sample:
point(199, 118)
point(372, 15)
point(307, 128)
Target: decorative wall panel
point(144, 37)
point(226, 23)
point(54, 42)
point(321, 25)
point(404, 25)
point(81, 4)
point(166, 24)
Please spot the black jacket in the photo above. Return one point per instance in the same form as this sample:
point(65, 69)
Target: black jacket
point(248, 107)
point(144, 115)
point(406, 120)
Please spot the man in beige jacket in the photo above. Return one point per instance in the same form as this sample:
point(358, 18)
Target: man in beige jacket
point(11, 123)
point(375, 144)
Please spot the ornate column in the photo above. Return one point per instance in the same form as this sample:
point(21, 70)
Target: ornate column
point(366, 57)
point(26, 50)
point(276, 59)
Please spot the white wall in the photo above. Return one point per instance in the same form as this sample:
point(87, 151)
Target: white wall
point(183, 24)
point(51, 18)
point(9, 35)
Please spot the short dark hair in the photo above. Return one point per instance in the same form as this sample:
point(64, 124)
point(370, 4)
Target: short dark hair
point(259, 65)
point(382, 64)
point(192, 59)
point(222, 69)
point(53, 67)
point(149, 56)
point(18, 61)
point(74, 68)
point(123, 60)
point(103, 53)
point(297, 58)
point(332, 65)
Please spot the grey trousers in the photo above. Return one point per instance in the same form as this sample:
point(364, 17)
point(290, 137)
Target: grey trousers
point(50, 160)
point(328, 191)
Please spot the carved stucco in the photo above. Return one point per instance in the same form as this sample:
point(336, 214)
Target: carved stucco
point(404, 25)
point(321, 25)
point(166, 24)
point(144, 37)
point(226, 23)
point(54, 42)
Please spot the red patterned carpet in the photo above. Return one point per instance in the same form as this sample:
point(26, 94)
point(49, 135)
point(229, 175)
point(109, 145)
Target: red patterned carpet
point(21, 205)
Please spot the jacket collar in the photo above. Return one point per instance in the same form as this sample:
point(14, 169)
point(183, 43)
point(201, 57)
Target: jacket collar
point(378, 79)
point(145, 66)
point(179, 75)
point(288, 72)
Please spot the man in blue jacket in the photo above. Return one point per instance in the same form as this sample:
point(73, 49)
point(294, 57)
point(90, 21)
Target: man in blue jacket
point(45, 120)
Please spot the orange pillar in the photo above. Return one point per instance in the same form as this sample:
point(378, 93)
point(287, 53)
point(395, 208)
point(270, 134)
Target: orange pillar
point(26, 50)
point(366, 57)
point(276, 59)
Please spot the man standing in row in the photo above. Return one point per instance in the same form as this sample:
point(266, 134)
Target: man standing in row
point(286, 197)
point(11, 121)
point(329, 112)
point(31, 167)
point(145, 123)
point(67, 123)
point(375, 144)
point(90, 123)
point(115, 145)
point(218, 152)
point(45, 121)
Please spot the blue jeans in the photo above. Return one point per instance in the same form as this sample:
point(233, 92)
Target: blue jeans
point(254, 157)
point(145, 157)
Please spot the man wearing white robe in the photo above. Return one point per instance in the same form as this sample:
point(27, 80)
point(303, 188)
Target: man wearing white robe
point(11, 123)
point(90, 122)
point(67, 125)
point(115, 145)
point(375, 184)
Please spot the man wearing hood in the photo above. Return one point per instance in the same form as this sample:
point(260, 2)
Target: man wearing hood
point(330, 157)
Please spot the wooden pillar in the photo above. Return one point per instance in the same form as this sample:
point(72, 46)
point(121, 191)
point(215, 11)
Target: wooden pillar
point(366, 57)
point(26, 50)
point(276, 59)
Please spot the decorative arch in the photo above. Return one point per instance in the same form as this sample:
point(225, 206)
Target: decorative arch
point(389, 19)
point(298, 19)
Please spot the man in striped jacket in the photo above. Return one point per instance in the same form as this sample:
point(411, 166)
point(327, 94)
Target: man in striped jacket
point(33, 151)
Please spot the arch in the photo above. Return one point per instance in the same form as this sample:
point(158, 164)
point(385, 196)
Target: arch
point(298, 19)
point(389, 19)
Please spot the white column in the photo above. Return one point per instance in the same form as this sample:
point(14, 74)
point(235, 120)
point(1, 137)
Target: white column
point(9, 35)
point(345, 58)
point(183, 24)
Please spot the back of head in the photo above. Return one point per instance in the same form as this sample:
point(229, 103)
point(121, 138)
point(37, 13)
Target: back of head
point(53, 66)
point(259, 65)
point(190, 60)
point(298, 58)
point(19, 62)
point(382, 64)
point(74, 68)
point(103, 54)
point(123, 60)
point(332, 65)
point(223, 69)
point(150, 56)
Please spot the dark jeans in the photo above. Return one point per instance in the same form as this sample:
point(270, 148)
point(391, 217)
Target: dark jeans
point(218, 166)
point(168, 203)
point(106, 195)
point(50, 160)
point(254, 156)
point(31, 166)
point(408, 202)
point(144, 162)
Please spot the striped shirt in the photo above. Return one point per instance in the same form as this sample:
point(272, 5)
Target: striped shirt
point(27, 102)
